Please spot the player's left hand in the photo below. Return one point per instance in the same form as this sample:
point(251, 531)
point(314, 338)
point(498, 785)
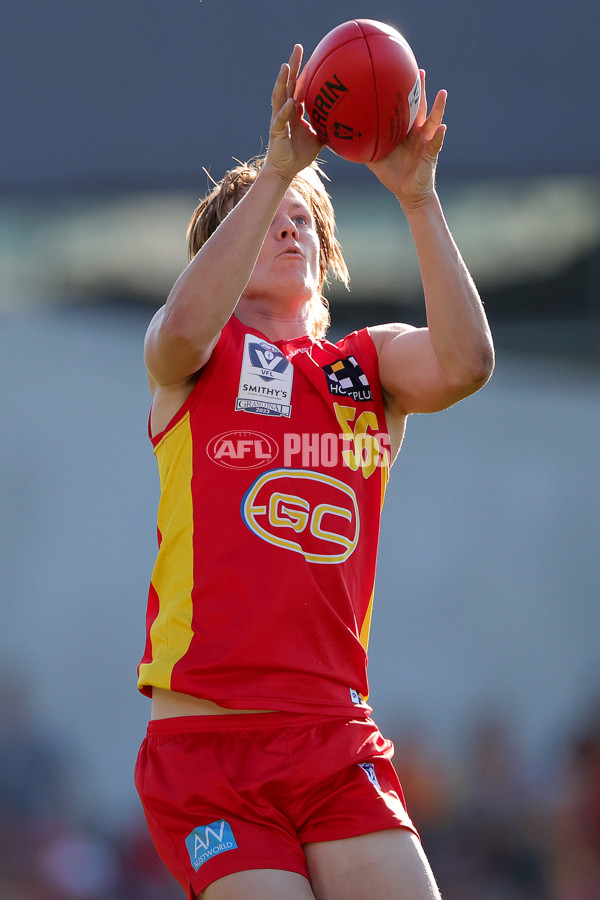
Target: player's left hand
point(409, 170)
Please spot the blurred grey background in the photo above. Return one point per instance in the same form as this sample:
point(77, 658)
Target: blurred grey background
point(487, 618)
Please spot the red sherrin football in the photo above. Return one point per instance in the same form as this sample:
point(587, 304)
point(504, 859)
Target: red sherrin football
point(362, 89)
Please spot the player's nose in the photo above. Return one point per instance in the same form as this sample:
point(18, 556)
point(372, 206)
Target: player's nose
point(286, 227)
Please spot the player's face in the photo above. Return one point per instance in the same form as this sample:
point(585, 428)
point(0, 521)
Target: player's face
point(288, 263)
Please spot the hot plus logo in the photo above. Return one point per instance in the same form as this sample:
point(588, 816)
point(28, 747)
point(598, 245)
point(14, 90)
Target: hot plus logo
point(346, 378)
point(242, 449)
point(208, 840)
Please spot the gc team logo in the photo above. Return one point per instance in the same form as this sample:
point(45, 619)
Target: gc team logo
point(307, 512)
point(242, 449)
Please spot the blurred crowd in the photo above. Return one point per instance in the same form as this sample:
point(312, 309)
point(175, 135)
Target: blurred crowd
point(494, 827)
point(498, 827)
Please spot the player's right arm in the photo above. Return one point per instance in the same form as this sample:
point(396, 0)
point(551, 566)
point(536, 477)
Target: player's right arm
point(184, 332)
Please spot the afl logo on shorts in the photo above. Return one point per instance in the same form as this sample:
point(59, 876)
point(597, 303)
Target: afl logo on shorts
point(242, 449)
point(307, 512)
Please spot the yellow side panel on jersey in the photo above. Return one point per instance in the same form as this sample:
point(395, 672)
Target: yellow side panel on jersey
point(366, 625)
point(172, 578)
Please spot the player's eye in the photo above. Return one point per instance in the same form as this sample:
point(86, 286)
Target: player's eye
point(302, 219)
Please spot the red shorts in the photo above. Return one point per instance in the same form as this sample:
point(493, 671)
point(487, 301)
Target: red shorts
point(225, 794)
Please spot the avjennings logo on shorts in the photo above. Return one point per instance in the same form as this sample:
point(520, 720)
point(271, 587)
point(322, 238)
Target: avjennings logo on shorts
point(265, 380)
point(345, 378)
point(207, 841)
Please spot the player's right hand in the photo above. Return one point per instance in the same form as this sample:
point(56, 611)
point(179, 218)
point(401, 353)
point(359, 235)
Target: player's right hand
point(293, 143)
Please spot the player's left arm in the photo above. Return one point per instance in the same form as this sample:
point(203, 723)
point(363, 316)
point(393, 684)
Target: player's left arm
point(428, 369)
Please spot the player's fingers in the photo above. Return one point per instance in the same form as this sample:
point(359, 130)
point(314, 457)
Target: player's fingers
point(294, 64)
point(279, 95)
point(434, 119)
point(437, 141)
point(437, 110)
point(281, 119)
point(422, 111)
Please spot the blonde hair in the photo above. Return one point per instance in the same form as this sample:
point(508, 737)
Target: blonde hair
point(219, 201)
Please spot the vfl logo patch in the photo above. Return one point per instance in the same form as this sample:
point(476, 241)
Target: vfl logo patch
point(265, 381)
point(207, 841)
point(267, 359)
point(346, 378)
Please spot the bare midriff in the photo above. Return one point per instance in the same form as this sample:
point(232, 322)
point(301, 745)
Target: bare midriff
point(169, 704)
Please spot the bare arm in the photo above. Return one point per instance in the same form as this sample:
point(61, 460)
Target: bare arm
point(184, 332)
point(427, 369)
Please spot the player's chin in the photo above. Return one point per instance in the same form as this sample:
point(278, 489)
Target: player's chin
point(299, 288)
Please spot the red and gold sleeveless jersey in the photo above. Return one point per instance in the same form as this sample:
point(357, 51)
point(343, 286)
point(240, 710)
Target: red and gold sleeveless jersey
point(272, 480)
